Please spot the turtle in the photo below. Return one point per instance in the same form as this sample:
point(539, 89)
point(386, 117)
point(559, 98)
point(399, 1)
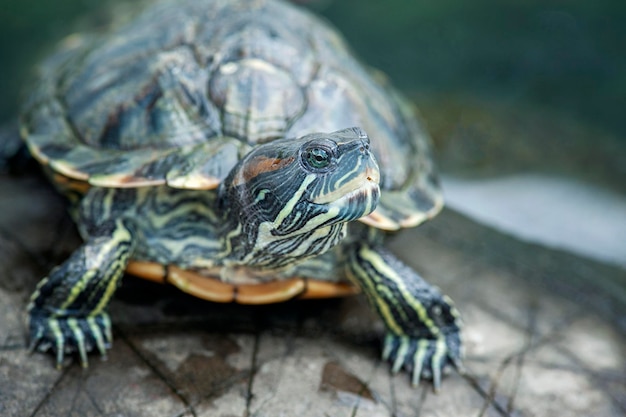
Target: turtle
point(241, 152)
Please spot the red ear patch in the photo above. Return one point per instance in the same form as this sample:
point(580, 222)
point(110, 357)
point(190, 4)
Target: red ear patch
point(259, 165)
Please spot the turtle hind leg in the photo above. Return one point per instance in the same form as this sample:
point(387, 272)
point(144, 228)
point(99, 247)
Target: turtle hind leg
point(423, 326)
point(67, 310)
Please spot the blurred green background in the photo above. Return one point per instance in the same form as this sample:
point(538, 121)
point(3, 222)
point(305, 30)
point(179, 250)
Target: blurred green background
point(569, 55)
point(565, 55)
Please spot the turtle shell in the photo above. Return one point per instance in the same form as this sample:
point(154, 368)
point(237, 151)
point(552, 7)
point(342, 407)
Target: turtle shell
point(180, 93)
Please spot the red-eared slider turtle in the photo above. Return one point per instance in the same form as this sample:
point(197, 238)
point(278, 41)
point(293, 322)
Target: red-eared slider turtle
point(190, 143)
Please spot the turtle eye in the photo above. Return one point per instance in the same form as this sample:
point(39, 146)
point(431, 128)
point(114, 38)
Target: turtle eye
point(317, 158)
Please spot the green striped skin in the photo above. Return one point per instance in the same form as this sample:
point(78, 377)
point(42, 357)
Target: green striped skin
point(307, 213)
point(287, 201)
point(67, 310)
point(262, 216)
point(422, 324)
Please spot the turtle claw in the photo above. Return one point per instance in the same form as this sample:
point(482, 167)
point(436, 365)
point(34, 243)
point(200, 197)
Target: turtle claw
point(423, 358)
point(70, 334)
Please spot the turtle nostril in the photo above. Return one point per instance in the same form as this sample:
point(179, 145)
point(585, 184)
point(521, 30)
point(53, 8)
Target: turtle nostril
point(372, 174)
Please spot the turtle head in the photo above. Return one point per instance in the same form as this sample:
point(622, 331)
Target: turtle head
point(293, 197)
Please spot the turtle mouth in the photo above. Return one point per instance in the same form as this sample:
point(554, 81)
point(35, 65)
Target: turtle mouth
point(365, 196)
point(360, 187)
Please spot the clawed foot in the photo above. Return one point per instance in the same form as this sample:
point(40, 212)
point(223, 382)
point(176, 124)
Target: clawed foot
point(423, 358)
point(70, 334)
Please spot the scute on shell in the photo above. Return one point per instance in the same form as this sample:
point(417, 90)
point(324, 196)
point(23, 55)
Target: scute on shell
point(178, 95)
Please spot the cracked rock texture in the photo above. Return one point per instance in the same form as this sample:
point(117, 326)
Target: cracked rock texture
point(544, 333)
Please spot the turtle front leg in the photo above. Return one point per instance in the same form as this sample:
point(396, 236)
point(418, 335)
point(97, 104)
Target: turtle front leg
point(67, 310)
point(422, 324)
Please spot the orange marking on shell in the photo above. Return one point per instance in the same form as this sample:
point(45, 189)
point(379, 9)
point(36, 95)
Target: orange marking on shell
point(212, 289)
point(66, 183)
point(259, 165)
point(201, 286)
point(323, 289)
point(270, 292)
point(379, 221)
point(147, 270)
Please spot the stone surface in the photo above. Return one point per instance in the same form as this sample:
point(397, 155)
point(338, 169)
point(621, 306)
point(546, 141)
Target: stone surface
point(544, 335)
